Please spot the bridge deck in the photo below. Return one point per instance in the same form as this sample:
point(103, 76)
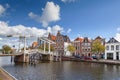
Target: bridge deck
point(10, 54)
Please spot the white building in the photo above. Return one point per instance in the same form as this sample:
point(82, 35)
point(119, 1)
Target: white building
point(66, 52)
point(112, 50)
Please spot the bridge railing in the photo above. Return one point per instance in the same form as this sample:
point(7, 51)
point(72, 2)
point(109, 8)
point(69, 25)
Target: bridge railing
point(41, 51)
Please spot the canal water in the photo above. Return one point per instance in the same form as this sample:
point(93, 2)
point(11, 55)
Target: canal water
point(61, 70)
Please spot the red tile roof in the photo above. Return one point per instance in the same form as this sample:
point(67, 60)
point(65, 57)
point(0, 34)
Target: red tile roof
point(53, 37)
point(79, 39)
point(34, 44)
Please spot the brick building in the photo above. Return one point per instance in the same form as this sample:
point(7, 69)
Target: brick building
point(60, 41)
point(83, 46)
point(77, 44)
point(86, 47)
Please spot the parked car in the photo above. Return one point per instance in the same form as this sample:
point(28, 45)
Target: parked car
point(94, 57)
point(87, 58)
point(77, 56)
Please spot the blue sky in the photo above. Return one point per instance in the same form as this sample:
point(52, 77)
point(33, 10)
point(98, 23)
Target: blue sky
point(86, 18)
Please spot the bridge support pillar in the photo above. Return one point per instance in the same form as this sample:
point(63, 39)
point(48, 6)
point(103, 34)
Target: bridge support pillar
point(21, 58)
point(49, 47)
point(44, 46)
point(51, 57)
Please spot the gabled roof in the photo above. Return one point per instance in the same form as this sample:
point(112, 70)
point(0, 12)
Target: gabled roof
point(86, 39)
point(79, 39)
point(34, 44)
point(66, 38)
point(112, 40)
point(98, 37)
point(53, 37)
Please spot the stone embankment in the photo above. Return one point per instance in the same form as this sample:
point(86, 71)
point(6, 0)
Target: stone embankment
point(102, 61)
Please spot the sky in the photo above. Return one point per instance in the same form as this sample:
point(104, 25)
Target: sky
point(75, 18)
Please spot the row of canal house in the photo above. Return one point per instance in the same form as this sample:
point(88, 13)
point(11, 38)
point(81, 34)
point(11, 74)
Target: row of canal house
point(84, 46)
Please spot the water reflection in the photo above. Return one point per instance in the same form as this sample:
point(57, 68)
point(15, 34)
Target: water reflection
point(64, 71)
point(5, 61)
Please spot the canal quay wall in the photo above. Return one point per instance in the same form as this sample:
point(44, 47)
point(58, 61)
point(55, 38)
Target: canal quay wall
point(101, 61)
point(4, 75)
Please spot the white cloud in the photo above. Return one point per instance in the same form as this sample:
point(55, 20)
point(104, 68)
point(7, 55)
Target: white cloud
point(117, 36)
point(34, 16)
point(69, 30)
point(1, 39)
point(55, 29)
point(68, 1)
point(20, 29)
point(51, 13)
point(6, 29)
point(2, 10)
point(118, 29)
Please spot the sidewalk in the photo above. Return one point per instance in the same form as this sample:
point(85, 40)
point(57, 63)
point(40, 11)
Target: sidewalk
point(4, 75)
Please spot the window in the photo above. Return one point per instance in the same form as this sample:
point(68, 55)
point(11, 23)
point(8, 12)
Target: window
point(88, 44)
point(88, 49)
point(83, 49)
point(112, 47)
point(107, 47)
point(78, 48)
point(117, 47)
point(85, 44)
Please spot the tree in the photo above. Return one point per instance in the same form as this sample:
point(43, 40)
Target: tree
point(98, 48)
point(6, 49)
point(71, 48)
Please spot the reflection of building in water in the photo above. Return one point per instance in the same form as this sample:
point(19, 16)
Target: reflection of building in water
point(112, 50)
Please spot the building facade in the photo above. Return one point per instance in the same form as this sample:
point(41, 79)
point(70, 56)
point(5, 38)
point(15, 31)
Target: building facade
point(66, 51)
point(77, 44)
point(86, 47)
point(60, 40)
point(83, 46)
point(112, 50)
point(53, 38)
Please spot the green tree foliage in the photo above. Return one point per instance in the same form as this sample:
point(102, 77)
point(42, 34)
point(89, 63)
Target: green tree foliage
point(71, 48)
point(46, 47)
point(6, 49)
point(97, 47)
